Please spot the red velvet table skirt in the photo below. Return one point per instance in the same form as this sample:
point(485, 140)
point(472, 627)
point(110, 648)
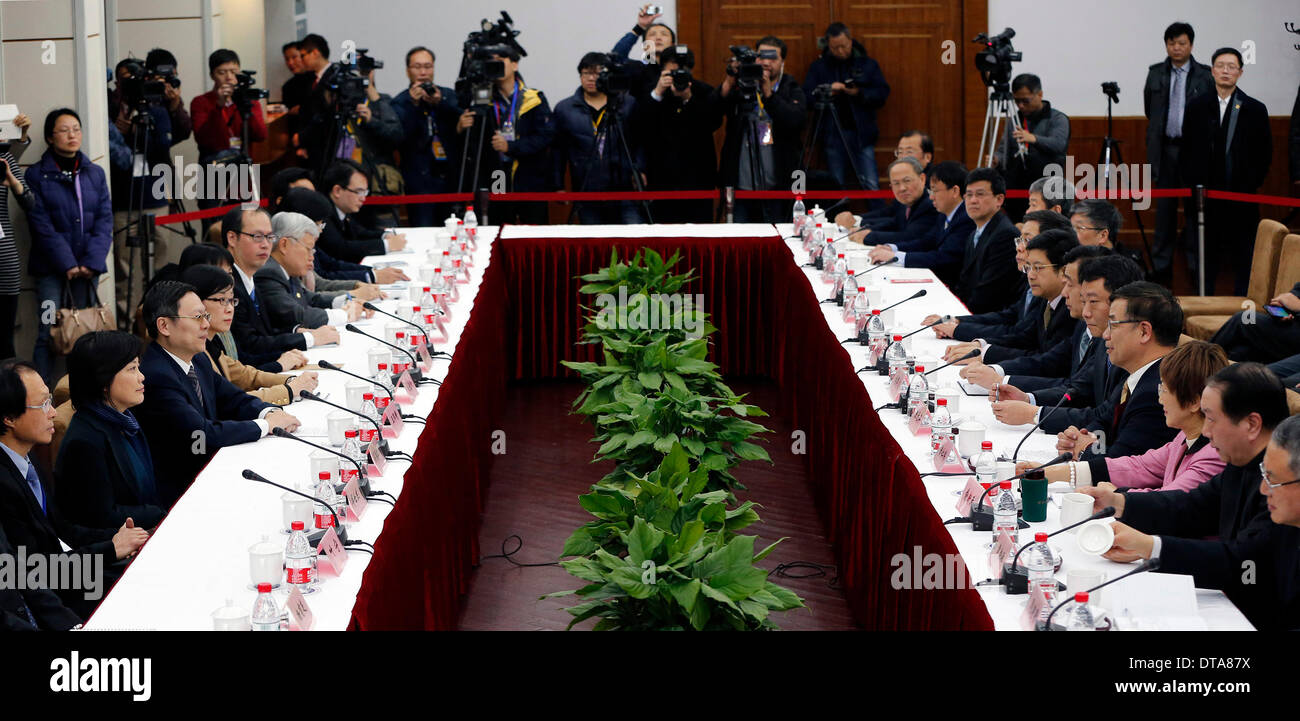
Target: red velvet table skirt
point(528, 317)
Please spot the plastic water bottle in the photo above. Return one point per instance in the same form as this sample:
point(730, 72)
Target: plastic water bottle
point(896, 358)
point(918, 391)
point(1041, 567)
point(940, 426)
point(351, 449)
point(816, 246)
point(986, 464)
point(266, 614)
point(877, 337)
point(1081, 619)
point(800, 214)
point(850, 289)
point(299, 560)
point(324, 492)
point(368, 409)
point(382, 377)
point(839, 274)
point(426, 298)
point(471, 226)
point(1005, 514)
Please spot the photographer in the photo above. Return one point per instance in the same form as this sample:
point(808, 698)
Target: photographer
point(219, 121)
point(1043, 132)
point(765, 117)
point(676, 122)
point(655, 37)
point(519, 130)
point(430, 144)
point(857, 89)
point(588, 142)
point(159, 66)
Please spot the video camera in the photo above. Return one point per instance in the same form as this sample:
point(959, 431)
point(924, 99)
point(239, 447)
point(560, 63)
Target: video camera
point(145, 86)
point(479, 68)
point(994, 61)
point(350, 82)
point(1111, 89)
point(244, 94)
point(747, 72)
point(616, 76)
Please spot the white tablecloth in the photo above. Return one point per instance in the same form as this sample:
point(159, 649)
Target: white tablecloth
point(1215, 611)
point(199, 556)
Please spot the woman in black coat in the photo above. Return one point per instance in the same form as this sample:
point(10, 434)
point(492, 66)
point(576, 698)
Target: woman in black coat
point(104, 470)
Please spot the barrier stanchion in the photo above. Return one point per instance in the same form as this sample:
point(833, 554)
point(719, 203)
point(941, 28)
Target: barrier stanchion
point(1199, 194)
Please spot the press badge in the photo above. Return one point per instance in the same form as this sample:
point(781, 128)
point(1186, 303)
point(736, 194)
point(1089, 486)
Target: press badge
point(439, 153)
point(764, 132)
point(508, 131)
point(236, 142)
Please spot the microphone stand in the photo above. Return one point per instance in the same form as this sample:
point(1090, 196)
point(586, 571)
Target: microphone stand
point(423, 331)
point(416, 375)
point(1151, 564)
point(379, 430)
point(363, 478)
point(314, 537)
point(861, 337)
point(392, 401)
point(864, 369)
point(1016, 581)
point(1064, 397)
point(983, 520)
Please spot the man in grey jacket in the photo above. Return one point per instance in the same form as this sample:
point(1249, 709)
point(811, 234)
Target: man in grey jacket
point(1044, 133)
point(279, 282)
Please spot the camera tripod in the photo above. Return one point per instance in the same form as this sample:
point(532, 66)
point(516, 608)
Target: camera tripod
point(1001, 107)
point(475, 136)
point(823, 106)
point(617, 128)
point(1111, 157)
point(751, 153)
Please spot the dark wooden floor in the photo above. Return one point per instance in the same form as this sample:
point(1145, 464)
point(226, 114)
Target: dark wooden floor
point(547, 464)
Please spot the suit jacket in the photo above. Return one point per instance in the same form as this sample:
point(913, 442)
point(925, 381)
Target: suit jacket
point(1230, 510)
point(257, 341)
point(942, 249)
point(1080, 373)
point(1050, 366)
point(997, 323)
point(1155, 102)
point(350, 240)
point(45, 608)
point(97, 486)
point(1032, 336)
point(1141, 425)
point(269, 387)
point(26, 525)
point(287, 304)
point(1237, 159)
point(989, 278)
point(183, 435)
point(906, 226)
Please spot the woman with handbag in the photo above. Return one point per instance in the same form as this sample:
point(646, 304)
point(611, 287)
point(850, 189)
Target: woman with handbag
point(71, 221)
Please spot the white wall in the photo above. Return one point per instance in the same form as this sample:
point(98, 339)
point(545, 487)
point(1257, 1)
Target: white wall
point(556, 33)
point(1074, 47)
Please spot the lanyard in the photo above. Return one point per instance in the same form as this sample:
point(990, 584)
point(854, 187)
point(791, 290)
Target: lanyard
point(514, 98)
point(595, 124)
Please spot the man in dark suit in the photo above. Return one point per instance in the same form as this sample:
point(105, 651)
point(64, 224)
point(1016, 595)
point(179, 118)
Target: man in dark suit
point(1144, 325)
point(913, 214)
point(29, 514)
point(942, 248)
point(1170, 85)
point(1228, 145)
point(989, 279)
point(249, 239)
point(288, 304)
point(1048, 318)
point(995, 324)
point(1222, 527)
point(1041, 379)
point(31, 609)
point(190, 411)
point(345, 237)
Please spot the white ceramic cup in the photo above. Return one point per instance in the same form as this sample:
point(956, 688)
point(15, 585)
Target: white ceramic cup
point(1074, 508)
point(231, 618)
point(355, 390)
point(295, 508)
point(1095, 537)
point(953, 394)
point(873, 293)
point(1082, 579)
point(266, 562)
point(971, 436)
point(336, 424)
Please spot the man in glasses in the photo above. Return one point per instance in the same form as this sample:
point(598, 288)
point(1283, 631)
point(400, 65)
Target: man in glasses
point(345, 237)
point(1250, 510)
point(190, 411)
point(289, 305)
point(1227, 145)
point(1096, 222)
point(1043, 134)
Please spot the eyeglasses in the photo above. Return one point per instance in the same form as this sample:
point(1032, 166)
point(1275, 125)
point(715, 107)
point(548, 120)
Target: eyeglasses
point(232, 301)
point(1040, 267)
point(1262, 471)
point(590, 73)
point(1021, 242)
point(973, 194)
point(1229, 67)
point(200, 317)
point(420, 66)
point(1110, 324)
point(268, 238)
point(360, 193)
point(1078, 228)
point(49, 403)
point(906, 152)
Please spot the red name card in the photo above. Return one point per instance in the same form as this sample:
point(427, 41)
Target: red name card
point(1033, 608)
point(969, 496)
point(426, 360)
point(334, 551)
point(356, 500)
point(299, 611)
point(377, 460)
point(1001, 553)
point(392, 421)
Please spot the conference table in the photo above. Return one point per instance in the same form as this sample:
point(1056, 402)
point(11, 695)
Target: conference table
point(517, 318)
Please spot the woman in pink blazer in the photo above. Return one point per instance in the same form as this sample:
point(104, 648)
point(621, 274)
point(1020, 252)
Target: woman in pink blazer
point(1185, 462)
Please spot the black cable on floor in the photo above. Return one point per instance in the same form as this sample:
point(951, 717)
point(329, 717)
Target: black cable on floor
point(507, 554)
point(812, 570)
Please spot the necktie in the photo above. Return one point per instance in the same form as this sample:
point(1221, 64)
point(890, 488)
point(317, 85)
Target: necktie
point(34, 481)
point(1083, 344)
point(252, 296)
point(1047, 316)
point(1119, 408)
point(1174, 121)
point(1029, 298)
point(194, 381)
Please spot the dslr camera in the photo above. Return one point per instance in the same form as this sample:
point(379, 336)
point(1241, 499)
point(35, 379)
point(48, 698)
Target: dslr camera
point(994, 61)
point(479, 69)
point(685, 60)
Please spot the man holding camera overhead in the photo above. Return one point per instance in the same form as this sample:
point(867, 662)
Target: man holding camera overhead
point(852, 82)
point(677, 120)
point(766, 112)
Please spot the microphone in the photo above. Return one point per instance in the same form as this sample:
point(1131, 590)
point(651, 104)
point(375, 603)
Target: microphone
point(983, 520)
point(415, 367)
point(1017, 581)
point(973, 353)
point(371, 306)
point(315, 536)
point(1151, 564)
point(1064, 397)
point(861, 337)
point(331, 367)
point(379, 431)
point(363, 481)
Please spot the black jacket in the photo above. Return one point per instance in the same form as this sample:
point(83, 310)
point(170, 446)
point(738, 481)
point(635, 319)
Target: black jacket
point(183, 435)
point(904, 227)
point(26, 525)
point(350, 239)
point(289, 305)
point(1155, 102)
point(257, 341)
point(788, 113)
point(1211, 157)
point(1049, 373)
point(1141, 425)
point(527, 160)
point(421, 123)
point(587, 144)
point(96, 484)
point(857, 112)
point(681, 136)
point(989, 278)
point(1051, 127)
point(995, 323)
point(1031, 336)
point(941, 250)
point(44, 606)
